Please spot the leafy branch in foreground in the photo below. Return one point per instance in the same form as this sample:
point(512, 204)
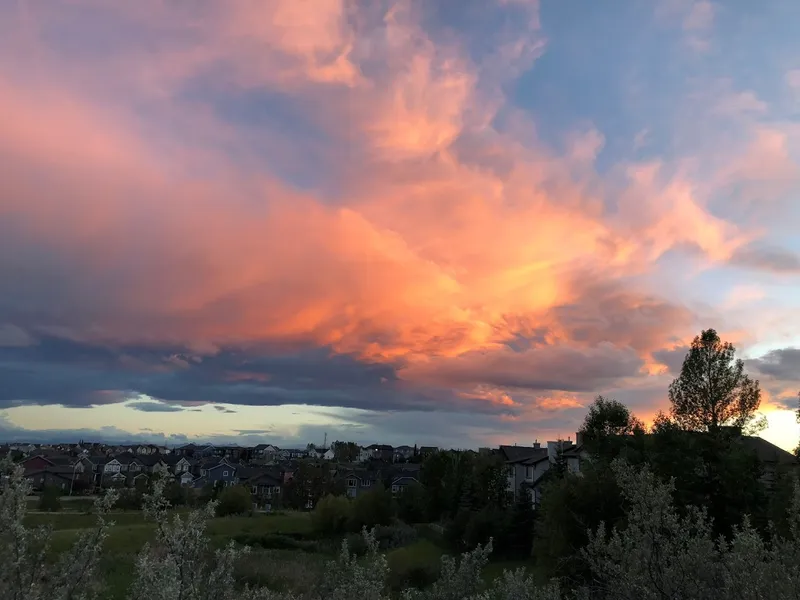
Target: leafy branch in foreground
point(24, 574)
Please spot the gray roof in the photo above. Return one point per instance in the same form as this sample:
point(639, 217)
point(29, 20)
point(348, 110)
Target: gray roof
point(521, 453)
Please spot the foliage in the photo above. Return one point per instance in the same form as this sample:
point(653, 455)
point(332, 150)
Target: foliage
point(129, 499)
point(570, 507)
point(24, 550)
point(235, 500)
point(605, 422)
point(521, 524)
point(663, 554)
point(309, 484)
point(345, 451)
point(715, 471)
point(331, 515)
point(371, 509)
point(50, 500)
point(412, 506)
point(713, 390)
point(178, 564)
point(395, 536)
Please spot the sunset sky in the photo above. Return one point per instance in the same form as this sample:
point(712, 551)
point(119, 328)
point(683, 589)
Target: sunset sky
point(447, 222)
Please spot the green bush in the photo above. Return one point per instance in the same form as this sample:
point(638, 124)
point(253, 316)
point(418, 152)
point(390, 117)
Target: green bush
point(371, 509)
point(331, 515)
point(50, 500)
point(234, 501)
point(413, 576)
point(356, 544)
point(395, 536)
point(129, 500)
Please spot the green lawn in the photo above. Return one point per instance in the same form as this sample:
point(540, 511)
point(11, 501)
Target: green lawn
point(131, 532)
point(280, 569)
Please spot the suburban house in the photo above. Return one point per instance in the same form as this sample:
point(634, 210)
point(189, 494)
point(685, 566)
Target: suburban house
point(402, 453)
point(527, 465)
point(185, 478)
point(113, 465)
point(265, 451)
point(218, 473)
point(400, 484)
point(60, 477)
point(36, 463)
point(426, 451)
point(359, 482)
point(265, 488)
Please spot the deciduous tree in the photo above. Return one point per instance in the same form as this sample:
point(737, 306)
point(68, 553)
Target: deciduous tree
point(712, 389)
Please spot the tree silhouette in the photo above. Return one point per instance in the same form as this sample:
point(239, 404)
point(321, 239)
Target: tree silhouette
point(712, 389)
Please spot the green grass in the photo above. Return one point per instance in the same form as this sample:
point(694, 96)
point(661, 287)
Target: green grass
point(131, 532)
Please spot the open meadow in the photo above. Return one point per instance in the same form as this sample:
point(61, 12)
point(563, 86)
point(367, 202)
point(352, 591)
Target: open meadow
point(286, 553)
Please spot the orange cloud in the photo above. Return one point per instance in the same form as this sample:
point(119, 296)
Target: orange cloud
point(445, 242)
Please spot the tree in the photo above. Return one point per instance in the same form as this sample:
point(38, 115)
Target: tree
point(345, 451)
point(371, 509)
point(607, 421)
point(50, 500)
point(331, 515)
point(234, 500)
point(521, 524)
point(412, 506)
point(24, 569)
point(712, 389)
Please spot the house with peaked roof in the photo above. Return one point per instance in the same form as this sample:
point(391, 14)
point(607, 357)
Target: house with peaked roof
point(219, 473)
point(359, 481)
point(527, 465)
point(400, 484)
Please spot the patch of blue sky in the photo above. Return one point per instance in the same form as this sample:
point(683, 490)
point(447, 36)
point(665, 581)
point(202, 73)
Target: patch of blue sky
point(607, 64)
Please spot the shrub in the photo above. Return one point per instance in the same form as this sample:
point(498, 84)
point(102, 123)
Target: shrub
point(23, 573)
point(50, 500)
point(234, 501)
point(371, 509)
point(331, 515)
point(129, 500)
point(356, 544)
point(395, 536)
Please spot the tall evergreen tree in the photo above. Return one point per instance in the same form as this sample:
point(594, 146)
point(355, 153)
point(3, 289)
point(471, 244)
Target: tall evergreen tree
point(712, 389)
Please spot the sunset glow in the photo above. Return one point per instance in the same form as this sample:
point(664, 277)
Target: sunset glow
point(437, 222)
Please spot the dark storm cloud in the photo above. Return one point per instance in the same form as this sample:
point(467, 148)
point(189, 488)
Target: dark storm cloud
point(672, 359)
point(78, 374)
point(539, 369)
point(154, 407)
point(767, 258)
point(782, 364)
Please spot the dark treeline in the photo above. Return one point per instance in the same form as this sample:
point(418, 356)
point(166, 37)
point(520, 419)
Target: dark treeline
point(703, 443)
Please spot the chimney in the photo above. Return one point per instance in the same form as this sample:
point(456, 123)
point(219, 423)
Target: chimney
point(579, 438)
point(536, 445)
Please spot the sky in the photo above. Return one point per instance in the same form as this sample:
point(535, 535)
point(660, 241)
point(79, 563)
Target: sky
point(447, 222)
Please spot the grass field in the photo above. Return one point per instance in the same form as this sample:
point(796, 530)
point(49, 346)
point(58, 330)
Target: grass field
point(131, 532)
point(279, 569)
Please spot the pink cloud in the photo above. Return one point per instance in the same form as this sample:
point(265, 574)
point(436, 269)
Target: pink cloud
point(448, 241)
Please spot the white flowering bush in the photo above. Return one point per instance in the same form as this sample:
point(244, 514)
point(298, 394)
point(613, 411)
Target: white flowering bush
point(660, 554)
point(24, 551)
point(179, 565)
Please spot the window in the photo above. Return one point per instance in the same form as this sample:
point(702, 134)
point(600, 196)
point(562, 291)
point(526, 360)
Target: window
point(255, 489)
point(528, 472)
point(351, 483)
point(395, 488)
point(367, 483)
point(224, 473)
